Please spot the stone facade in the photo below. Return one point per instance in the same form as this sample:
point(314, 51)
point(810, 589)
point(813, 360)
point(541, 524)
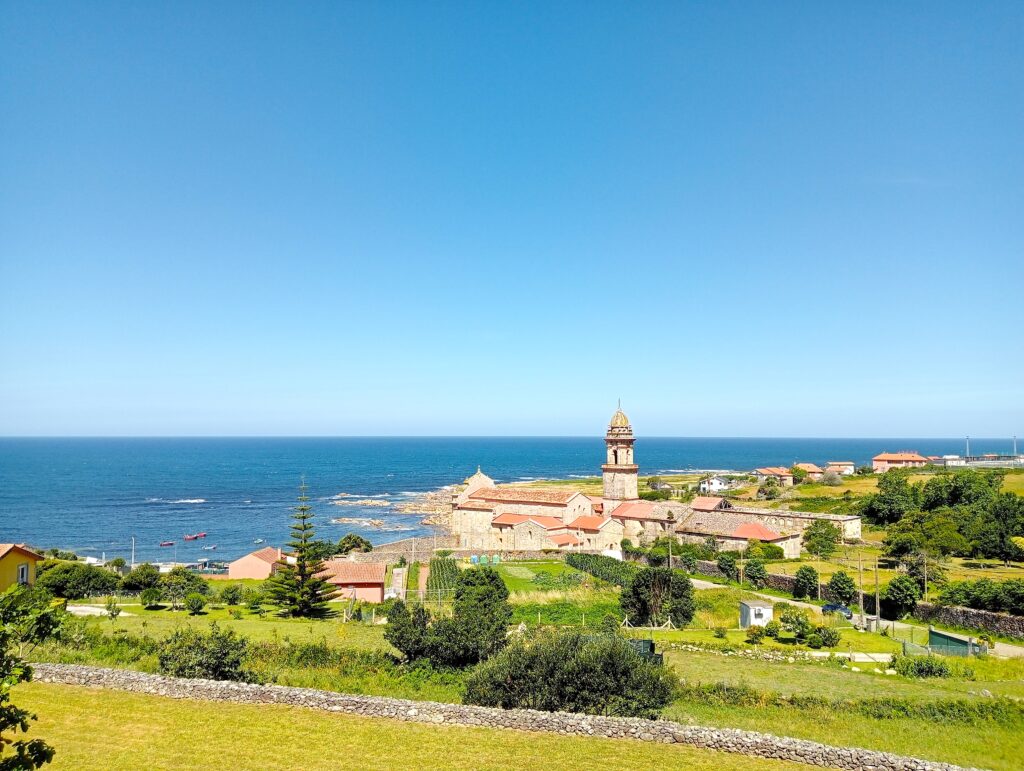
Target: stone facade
point(750, 743)
point(969, 618)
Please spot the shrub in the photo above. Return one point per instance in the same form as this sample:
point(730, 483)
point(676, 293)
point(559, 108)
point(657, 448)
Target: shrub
point(763, 551)
point(194, 603)
point(214, 654)
point(657, 595)
point(75, 580)
point(231, 595)
point(756, 574)
point(720, 632)
point(141, 577)
point(902, 595)
point(795, 620)
point(150, 597)
point(829, 636)
point(606, 568)
point(814, 640)
point(756, 634)
point(570, 671)
point(842, 588)
point(920, 666)
point(727, 564)
point(985, 594)
point(180, 583)
point(688, 562)
point(805, 582)
point(773, 629)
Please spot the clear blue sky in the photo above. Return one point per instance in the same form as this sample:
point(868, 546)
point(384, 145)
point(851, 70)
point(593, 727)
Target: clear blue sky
point(744, 219)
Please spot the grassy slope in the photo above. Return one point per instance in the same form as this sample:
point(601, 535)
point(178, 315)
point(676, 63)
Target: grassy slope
point(109, 729)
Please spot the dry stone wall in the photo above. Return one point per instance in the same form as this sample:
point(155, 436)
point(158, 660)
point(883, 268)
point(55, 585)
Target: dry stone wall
point(969, 618)
point(663, 731)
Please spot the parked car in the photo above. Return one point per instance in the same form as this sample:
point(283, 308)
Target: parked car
point(834, 607)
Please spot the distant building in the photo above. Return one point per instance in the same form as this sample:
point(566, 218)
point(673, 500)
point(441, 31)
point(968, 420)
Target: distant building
point(814, 472)
point(258, 564)
point(17, 565)
point(362, 580)
point(841, 467)
point(887, 460)
point(782, 475)
point(713, 485)
point(755, 613)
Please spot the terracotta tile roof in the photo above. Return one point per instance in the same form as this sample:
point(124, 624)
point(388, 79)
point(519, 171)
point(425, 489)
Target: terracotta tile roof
point(565, 539)
point(727, 523)
point(343, 572)
point(904, 456)
point(634, 510)
point(548, 523)
point(269, 554)
point(810, 468)
point(841, 463)
point(7, 548)
point(706, 503)
point(756, 530)
point(524, 495)
point(477, 505)
point(592, 524)
point(772, 471)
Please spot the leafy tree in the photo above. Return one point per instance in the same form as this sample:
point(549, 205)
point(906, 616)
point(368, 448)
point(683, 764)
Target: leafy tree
point(795, 620)
point(773, 629)
point(757, 550)
point(822, 538)
point(214, 654)
point(231, 595)
point(755, 634)
point(298, 589)
point(150, 597)
point(112, 609)
point(194, 603)
point(407, 631)
point(769, 489)
point(831, 479)
point(864, 471)
point(570, 671)
point(727, 564)
point(117, 563)
point(993, 530)
point(799, 475)
point(141, 577)
point(896, 496)
point(902, 594)
point(180, 583)
point(481, 602)
point(321, 550)
point(841, 587)
point(75, 580)
point(934, 532)
point(964, 487)
point(756, 574)
point(657, 595)
point(25, 618)
point(805, 582)
point(351, 542)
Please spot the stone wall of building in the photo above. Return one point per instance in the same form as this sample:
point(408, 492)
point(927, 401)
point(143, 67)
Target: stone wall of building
point(748, 743)
point(391, 553)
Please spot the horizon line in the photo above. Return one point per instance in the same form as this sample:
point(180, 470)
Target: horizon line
point(1008, 438)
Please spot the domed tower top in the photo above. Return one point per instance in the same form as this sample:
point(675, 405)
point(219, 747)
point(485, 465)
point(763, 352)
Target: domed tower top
point(619, 424)
point(619, 471)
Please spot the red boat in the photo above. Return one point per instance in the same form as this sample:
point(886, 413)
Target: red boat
point(167, 543)
point(194, 536)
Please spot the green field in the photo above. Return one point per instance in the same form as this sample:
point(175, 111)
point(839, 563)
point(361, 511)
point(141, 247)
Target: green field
point(519, 576)
point(108, 729)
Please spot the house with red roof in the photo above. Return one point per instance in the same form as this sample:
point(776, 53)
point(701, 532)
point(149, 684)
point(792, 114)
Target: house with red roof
point(906, 459)
point(780, 474)
point(258, 564)
point(362, 580)
point(814, 472)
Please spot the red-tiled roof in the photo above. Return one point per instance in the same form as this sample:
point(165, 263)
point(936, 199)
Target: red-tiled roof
point(7, 548)
point(524, 495)
point(810, 468)
point(477, 505)
point(840, 463)
point(756, 530)
point(565, 539)
point(592, 524)
point(548, 523)
point(706, 503)
point(343, 572)
point(634, 510)
point(270, 554)
point(772, 471)
point(905, 456)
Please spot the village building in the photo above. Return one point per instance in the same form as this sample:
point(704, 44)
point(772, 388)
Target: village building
point(814, 472)
point(17, 565)
point(714, 484)
point(841, 467)
point(258, 564)
point(781, 475)
point(517, 518)
point(887, 460)
point(362, 581)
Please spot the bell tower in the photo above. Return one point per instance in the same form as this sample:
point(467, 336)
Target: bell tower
point(619, 472)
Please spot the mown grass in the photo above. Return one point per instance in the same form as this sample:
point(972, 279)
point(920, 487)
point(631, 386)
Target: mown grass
point(519, 576)
point(93, 728)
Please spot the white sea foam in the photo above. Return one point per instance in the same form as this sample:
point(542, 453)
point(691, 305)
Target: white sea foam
point(190, 500)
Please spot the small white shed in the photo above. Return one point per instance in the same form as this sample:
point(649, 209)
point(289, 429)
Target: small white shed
point(755, 613)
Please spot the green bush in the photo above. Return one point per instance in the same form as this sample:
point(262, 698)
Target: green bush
point(231, 595)
point(763, 551)
point(727, 564)
point(920, 666)
point(901, 595)
point(841, 587)
point(214, 654)
point(986, 594)
point(656, 595)
point(773, 629)
point(150, 597)
point(194, 603)
point(829, 636)
point(720, 632)
point(606, 568)
point(814, 641)
point(755, 634)
point(141, 577)
point(598, 674)
point(805, 582)
point(756, 574)
point(76, 580)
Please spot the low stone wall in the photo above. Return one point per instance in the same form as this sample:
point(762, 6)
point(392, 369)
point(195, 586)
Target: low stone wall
point(391, 553)
point(663, 731)
point(969, 618)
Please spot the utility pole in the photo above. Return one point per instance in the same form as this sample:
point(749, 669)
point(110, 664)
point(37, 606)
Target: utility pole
point(968, 447)
point(878, 607)
point(860, 585)
point(924, 558)
point(133, 551)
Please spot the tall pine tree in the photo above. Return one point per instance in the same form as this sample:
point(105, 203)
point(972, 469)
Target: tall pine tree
point(297, 588)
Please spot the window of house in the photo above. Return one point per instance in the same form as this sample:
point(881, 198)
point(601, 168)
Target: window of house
point(23, 573)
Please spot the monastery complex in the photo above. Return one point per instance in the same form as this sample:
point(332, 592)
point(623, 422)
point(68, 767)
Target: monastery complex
point(515, 519)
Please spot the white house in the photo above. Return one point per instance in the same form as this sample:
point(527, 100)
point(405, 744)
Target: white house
point(755, 613)
point(713, 485)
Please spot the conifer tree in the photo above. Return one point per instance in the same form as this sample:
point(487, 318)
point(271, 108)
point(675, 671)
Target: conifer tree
point(298, 588)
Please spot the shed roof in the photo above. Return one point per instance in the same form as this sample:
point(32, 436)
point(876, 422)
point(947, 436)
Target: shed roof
point(344, 572)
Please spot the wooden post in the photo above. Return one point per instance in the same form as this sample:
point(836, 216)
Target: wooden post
point(860, 585)
point(878, 601)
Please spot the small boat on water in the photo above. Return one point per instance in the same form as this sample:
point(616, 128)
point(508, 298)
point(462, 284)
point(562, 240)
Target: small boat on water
point(195, 536)
point(258, 540)
point(167, 543)
point(209, 548)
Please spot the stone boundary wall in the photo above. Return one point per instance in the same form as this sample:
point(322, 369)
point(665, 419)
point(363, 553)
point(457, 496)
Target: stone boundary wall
point(390, 553)
point(748, 743)
point(1001, 623)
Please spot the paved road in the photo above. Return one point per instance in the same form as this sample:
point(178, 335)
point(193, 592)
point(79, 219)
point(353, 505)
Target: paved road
point(1004, 650)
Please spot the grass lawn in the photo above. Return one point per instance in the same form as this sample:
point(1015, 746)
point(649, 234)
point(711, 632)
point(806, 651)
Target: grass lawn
point(93, 728)
point(518, 576)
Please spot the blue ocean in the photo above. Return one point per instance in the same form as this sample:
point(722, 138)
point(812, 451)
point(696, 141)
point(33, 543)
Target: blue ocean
point(95, 495)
